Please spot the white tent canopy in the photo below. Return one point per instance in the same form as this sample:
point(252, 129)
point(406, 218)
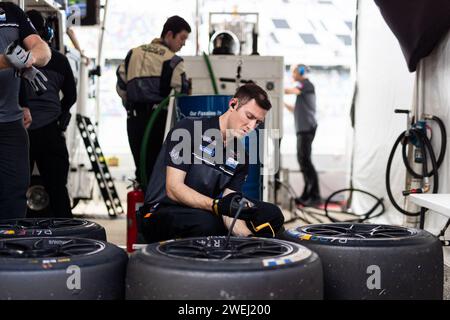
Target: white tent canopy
point(384, 84)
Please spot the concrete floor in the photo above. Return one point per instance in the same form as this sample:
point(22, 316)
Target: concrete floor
point(95, 211)
point(116, 229)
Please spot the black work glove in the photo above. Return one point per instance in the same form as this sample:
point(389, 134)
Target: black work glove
point(229, 206)
point(267, 220)
point(36, 79)
point(17, 56)
point(64, 120)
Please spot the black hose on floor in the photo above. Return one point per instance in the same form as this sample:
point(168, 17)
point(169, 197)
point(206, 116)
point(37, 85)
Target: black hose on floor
point(315, 215)
point(359, 218)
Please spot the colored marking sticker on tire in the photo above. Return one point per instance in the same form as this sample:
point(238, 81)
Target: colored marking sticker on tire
point(7, 232)
point(301, 254)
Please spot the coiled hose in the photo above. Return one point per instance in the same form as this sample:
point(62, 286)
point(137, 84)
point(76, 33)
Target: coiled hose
point(358, 218)
point(425, 147)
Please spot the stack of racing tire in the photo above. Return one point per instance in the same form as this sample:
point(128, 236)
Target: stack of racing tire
point(342, 261)
point(70, 259)
point(376, 262)
point(221, 268)
point(59, 259)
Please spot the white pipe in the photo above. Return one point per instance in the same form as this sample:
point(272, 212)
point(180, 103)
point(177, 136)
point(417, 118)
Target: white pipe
point(100, 63)
point(84, 87)
point(418, 108)
point(197, 23)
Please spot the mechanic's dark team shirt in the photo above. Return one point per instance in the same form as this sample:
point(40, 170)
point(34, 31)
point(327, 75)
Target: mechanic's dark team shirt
point(305, 107)
point(47, 107)
point(210, 167)
point(14, 25)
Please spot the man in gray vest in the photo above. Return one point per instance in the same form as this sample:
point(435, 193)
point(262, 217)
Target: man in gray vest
point(20, 49)
point(146, 77)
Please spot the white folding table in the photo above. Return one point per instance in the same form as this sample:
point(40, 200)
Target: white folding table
point(439, 203)
point(436, 202)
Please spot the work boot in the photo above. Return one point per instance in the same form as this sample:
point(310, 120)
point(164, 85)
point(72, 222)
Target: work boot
point(313, 202)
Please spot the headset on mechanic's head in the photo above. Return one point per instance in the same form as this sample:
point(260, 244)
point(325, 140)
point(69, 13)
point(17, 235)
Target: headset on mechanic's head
point(302, 69)
point(42, 25)
point(48, 32)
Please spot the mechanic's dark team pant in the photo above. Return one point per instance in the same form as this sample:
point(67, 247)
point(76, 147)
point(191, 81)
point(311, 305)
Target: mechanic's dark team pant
point(304, 148)
point(49, 151)
point(137, 122)
point(174, 222)
point(14, 170)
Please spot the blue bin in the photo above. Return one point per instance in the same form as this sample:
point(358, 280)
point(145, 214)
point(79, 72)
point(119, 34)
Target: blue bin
point(216, 105)
point(202, 106)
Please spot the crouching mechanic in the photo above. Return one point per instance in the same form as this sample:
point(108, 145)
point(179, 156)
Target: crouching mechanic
point(195, 189)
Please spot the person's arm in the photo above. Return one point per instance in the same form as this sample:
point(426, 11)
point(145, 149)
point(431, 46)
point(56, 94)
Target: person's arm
point(240, 228)
point(121, 73)
point(24, 103)
point(3, 62)
point(69, 88)
point(73, 37)
point(27, 119)
point(179, 80)
point(295, 91)
point(71, 33)
point(179, 192)
point(40, 53)
point(39, 49)
point(290, 107)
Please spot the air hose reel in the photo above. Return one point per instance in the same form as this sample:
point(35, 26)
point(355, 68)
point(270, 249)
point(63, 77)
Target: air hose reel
point(416, 136)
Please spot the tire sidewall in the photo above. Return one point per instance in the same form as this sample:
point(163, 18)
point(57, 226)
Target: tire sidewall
point(152, 274)
point(297, 254)
point(101, 275)
point(86, 229)
point(402, 268)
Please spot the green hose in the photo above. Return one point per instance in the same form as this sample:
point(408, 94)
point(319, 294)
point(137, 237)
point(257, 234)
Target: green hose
point(148, 129)
point(163, 105)
point(211, 73)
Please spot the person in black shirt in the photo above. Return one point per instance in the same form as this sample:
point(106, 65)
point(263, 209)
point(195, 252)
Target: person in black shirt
point(305, 127)
point(27, 49)
point(50, 118)
point(195, 187)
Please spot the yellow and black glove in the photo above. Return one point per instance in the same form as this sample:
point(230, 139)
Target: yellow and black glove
point(267, 221)
point(263, 219)
point(229, 206)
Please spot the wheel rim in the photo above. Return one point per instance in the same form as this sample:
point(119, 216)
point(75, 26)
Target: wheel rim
point(51, 224)
point(358, 231)
point(48, 248)
point(37, 198)
point(214, 248)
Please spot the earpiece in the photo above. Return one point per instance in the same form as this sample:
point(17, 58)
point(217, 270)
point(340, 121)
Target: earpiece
point(48, 32)
point(233, 105)
point(42, 25)
point(301, 70)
